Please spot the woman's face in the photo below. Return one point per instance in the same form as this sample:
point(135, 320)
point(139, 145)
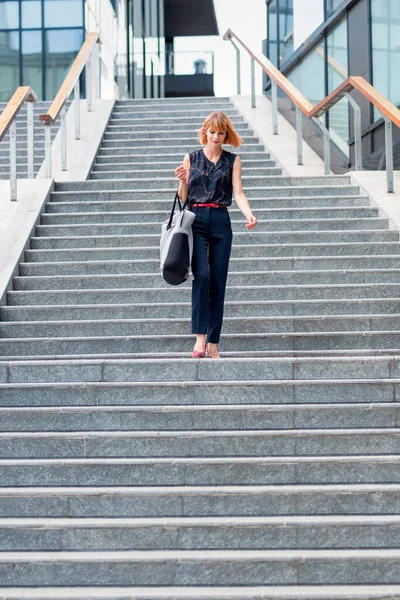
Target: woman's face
point(215, 137)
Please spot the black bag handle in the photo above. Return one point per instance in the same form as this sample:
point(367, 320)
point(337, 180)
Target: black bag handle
point(181, 208)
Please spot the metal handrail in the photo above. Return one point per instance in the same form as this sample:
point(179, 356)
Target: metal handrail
point(389, 112)
point(8, 123)
point(71, 82)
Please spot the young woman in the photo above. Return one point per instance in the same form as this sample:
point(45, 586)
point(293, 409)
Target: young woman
point(208, 177)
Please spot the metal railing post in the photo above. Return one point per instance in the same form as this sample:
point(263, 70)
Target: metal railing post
point(299, 129)
point(29, 109)
point(47, 144)
point(89, 83)
point(389, 154)
point(274, 88)
point(327, 145)
point(253, 83)
point(238, 74)
point(357, 133)
point(77, 98)
point(13, 160)
point(64, 138)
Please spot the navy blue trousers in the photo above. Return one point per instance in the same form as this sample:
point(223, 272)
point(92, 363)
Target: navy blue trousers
point(212, 242)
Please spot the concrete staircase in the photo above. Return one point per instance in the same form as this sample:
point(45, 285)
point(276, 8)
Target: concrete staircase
point(130, 470)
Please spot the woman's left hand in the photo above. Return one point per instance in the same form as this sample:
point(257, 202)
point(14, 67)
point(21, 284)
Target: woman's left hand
point(251, 222)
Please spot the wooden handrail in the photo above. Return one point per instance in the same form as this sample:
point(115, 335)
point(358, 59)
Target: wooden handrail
point(9, 114)
point(70, 80)
point(294, 94)
point(384, 105)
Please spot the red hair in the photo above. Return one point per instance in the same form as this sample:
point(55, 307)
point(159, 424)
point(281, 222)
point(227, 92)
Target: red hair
point(222, 123)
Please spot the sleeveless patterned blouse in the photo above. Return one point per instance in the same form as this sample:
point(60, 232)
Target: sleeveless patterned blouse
point(210, 183)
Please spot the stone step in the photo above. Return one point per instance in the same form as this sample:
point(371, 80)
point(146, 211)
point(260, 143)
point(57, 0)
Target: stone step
point(115, 225)
point(179, 105)
point(237, 342)
point(229, 369)
point(261, 308)
point(173, 294)
point(293, 592)
point(105, 327)
point(257, 192)
point(168, 165)
point(272, 279)
point(152, 126)
point(200, 501)
point(251, 265)
point(165, 134)
point(187, 418)
point(280, 181)
point(272, 392)
point(161, 158)
point(281, 203)
point(158, 216)
point(243, 238)
point(109, 174)
point(183, 147)
point(201, 444)
point(201, 471)
point(284, 250)
point(197, 112)
point(199, 568)
point(204, 533)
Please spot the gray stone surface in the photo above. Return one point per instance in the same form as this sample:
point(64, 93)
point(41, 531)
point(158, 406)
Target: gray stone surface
point(124, 462)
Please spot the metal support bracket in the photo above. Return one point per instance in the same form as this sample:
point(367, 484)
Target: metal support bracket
point(299, 129)
point(29, 109)
point(274, 89)
point(64, 138)
point(77, 98)
point(389, 154)
point(238, 74)
point(13, 160)
point(357, 132)
point(327, 145)
point(253, 83)
point(89, 86)
point(47, 130)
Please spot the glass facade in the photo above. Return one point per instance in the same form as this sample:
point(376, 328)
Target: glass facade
point(39, 40)
point(280, 31)
point(147, 56)
point(385, 31)
point(309, 75)
point(331, 6)
point(337, 72)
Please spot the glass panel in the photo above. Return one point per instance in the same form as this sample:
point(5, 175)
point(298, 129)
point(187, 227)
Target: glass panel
point(31, 14)
point(273, 32)
point(61, 48)
point(331, 6)
point(309, 76)
point(285, 29)
point(9, 64)
point(386, 49)
point(63, 13)
point(337, 73)
point(9, 15)
point(32, 60)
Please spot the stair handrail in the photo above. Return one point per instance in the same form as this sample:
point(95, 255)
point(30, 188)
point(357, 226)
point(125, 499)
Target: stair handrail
point(389, 112)
point(84, 59)
point(22, 95)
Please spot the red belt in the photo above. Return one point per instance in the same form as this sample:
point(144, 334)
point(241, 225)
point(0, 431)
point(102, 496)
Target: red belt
point(210, 205)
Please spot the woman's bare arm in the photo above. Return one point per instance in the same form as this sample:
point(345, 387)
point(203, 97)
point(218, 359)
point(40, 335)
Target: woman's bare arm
point(182, 173)
point(240, 196)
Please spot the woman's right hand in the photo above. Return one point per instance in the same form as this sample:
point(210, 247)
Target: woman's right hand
point(181, 173)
